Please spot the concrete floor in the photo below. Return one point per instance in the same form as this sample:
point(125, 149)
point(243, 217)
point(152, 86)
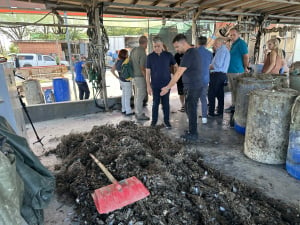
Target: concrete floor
point(221, 146)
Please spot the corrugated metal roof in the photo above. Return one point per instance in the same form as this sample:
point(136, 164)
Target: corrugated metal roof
point(278, 11)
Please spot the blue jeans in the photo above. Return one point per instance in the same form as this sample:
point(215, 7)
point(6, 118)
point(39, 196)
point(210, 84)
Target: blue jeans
point(84, 90)
point(164, 100)
point(191, 101)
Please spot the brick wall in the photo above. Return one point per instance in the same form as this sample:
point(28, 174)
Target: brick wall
point(44, 48)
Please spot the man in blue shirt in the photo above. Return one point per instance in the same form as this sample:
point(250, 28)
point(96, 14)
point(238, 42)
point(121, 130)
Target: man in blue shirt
point(190, 70)
point(205, 60)
point(84, 91)
point(239, 62)
point(158, 75)
point(219, 67)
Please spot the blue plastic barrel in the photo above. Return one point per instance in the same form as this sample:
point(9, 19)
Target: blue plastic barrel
point(239, 129)
point(61, 89)
point(293, 155)
point(49, 96)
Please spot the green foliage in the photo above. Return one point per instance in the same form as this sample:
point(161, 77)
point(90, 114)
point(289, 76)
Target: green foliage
point(119, 31)
point(46, 34)
point(13, 48)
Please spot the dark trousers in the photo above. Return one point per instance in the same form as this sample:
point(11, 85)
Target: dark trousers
point(164, 100)
point(84, 90)
point(216, 90)
point(191, 102)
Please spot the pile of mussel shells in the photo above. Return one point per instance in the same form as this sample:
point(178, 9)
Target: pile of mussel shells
point(182, 189)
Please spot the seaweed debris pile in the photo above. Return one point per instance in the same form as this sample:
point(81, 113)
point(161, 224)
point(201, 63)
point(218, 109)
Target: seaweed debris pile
point(182, 189)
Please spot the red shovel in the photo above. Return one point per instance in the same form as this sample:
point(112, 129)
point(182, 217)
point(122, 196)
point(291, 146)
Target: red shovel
point(118, 194)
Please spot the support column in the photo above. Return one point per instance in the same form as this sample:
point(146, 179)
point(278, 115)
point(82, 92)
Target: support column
point(258, 37)
point(98, 46)
point(194, 25)
point(70, 56)
point(194, 32)
point(101, 48)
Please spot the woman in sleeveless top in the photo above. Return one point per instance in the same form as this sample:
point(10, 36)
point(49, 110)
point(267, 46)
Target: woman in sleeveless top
point(274, 60)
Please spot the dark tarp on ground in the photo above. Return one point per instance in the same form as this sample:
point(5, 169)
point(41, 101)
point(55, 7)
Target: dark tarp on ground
point(11, 186)
point(39, 183)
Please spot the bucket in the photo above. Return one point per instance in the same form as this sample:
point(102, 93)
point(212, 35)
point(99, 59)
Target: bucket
point(33, 92)
point(244, 86)
point(49, 96)
point(295, 82)
point(61, 89)
point(293, 155)
point(268, 123)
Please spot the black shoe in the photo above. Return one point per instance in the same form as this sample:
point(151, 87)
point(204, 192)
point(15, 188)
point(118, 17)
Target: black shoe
point(153, 124)
point(189, 137)
point(124, 113)
point(214, 115)
point(219, 114)
point(230, 109)
point(130, 114)
point(168, 126)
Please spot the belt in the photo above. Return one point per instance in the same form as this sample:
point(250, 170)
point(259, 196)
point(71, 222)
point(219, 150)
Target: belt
point(215, 73)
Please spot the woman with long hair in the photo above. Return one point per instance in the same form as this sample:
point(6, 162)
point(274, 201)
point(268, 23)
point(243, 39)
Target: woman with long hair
point(125, 83)
point(274, 59)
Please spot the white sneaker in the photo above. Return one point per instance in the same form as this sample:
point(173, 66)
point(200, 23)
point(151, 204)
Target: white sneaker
point(204, 120)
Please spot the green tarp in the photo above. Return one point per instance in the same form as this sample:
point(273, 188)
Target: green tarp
point(39, 183)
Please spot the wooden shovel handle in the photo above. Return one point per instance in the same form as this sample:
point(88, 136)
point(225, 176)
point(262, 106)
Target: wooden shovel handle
point(103, 168)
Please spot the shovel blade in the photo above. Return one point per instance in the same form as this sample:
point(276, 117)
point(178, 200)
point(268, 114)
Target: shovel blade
point(112, 197)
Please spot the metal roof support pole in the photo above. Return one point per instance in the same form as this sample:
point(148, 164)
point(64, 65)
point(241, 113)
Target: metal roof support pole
point(70, 55)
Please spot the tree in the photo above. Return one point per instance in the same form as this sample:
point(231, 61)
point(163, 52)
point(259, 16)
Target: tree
point(15, 33)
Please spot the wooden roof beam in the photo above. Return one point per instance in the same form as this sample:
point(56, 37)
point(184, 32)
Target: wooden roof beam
point(284, 1)
point(231, 4)
point(204, 4)
point(266, 9)
point(156, 2)
point(244, 4)
point(293, 12)
point(177, 3)
point(283, 10)
point(134, 2)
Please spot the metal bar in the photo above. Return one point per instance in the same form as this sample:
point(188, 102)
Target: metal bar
point(70, 55)
point(134, 6)
point(42, 24)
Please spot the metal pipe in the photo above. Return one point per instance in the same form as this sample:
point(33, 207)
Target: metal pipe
point(70, 55)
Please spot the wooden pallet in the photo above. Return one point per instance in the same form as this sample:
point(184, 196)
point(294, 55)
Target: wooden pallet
point(42, 72)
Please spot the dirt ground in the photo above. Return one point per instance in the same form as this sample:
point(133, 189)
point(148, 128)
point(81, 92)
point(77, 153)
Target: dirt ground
point(208, 182)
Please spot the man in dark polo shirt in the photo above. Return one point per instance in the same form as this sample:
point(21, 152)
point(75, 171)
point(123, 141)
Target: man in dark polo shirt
point(158, 75)
point(190, 70)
